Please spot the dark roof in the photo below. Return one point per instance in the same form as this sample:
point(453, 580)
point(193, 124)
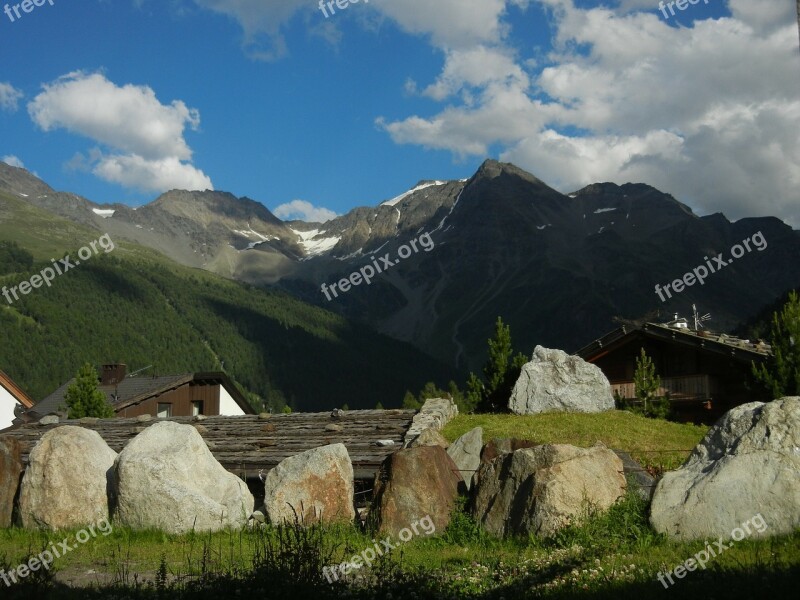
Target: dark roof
point(717, 343)
point(133, 390)
point(17, 392)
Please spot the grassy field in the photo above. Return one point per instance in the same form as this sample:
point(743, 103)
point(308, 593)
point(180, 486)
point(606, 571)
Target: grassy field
point(652, 442)
point(613, 555)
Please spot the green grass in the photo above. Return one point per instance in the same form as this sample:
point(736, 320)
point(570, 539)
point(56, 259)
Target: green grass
point(613, 555)
point(652, 442)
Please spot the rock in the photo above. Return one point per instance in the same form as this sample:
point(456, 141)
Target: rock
point(144, 418)
point(166, 478)
point(317, 484)
point(434, 414)
point(643, 483)
point(258, 517)
point(11, 468)
point(384, 443)
point(429, 437)
point(540, 490)
point(556, 381)
point(413, 484)
point(200, 417)
point(333, 427)
point(499, 446)
point(747, 464)
point(49, 420)
point(466, 453)
point(68, 479)
point(201, 429)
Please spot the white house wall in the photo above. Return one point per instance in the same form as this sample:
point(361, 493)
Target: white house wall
point(227, 405)
point(7, 404)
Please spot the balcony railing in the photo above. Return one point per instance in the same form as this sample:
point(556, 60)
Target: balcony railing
point(691, 387)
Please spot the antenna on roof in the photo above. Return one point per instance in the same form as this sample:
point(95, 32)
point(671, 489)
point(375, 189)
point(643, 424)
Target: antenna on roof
point(140, 370)
point(699, 320)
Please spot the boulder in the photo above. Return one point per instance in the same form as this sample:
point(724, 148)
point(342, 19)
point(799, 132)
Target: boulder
point(414, 484)
point(466, 453)
point(540, 490)
point(429, 437)
point(641, 481)
point(499, 446)
point(747, 464)
point(166, 478)
point(11, 468)
point(68, 480)
point(556, 381)
point(317, 485)
point(434, 414)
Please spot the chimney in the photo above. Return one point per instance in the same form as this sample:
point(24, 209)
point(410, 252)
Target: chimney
point(112, 374)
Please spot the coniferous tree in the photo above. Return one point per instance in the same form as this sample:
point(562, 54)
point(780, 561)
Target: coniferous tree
point(645, 381)
point(781, 373)
point(84, 399)
point(501, 372)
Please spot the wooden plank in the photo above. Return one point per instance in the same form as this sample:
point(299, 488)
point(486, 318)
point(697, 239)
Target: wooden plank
point(254, 444)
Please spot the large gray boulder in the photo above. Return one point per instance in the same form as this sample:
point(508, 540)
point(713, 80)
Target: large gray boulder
point(747, 464)
point(540, 490)
point(166, 478)
point(556, 381)
point(68, 479)
point(466, 453)
point(11, 468)
point(316, 485)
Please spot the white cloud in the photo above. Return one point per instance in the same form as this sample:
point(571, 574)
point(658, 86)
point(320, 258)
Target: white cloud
point(303, 211)
point(708, 112)
point(129, 117)
point(13, 161)
point(150, 152)
point(151, 175)
point(9, 97)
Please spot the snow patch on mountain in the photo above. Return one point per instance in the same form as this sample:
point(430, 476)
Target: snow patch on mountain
point(103, 212)
point(315, 247)
point(404, 195)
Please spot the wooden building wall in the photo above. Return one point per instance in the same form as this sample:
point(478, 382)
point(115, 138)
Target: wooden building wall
point(181, 400)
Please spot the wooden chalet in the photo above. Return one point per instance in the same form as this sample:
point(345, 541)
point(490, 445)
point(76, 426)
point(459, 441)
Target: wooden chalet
point(185, 395)
point(704, 374)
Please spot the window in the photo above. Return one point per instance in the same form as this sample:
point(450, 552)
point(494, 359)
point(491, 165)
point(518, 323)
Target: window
point(197, 408)
point(164, 410)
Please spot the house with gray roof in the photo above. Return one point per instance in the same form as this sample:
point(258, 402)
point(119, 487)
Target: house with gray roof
point(184, 395)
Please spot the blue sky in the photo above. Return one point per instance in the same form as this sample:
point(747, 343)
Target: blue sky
point(121, 100)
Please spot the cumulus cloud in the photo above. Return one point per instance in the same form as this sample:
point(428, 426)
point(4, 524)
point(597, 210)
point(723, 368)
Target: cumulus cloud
point(146, 136)
point(9, 97)
point(13, 161)
point(707, 112)
point(303, 211)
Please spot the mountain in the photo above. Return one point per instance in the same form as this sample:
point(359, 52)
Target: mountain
point(560, 269)
point(133, 305)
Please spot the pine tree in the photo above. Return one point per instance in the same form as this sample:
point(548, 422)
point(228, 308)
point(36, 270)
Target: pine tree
point(501, 372)
point(781, 374)
point(83, 397)
point(645, 381)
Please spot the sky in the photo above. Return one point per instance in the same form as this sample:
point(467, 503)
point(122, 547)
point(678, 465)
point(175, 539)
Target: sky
point(315, 112)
